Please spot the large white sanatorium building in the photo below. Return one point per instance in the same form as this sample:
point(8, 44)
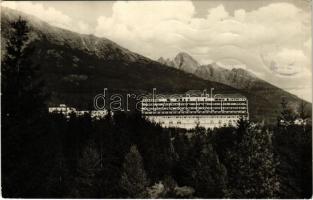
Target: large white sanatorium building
point(188, 110)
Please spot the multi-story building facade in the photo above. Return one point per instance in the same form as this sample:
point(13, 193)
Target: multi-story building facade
point(188, 110)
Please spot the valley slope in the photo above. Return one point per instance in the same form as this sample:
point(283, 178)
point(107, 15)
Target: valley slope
point(240, 79)
point(76, 67)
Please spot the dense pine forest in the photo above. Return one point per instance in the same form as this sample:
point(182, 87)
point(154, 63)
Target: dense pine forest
point(123, 155)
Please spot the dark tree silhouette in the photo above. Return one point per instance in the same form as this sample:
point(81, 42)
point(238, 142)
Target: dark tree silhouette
point(242, 128)
point(86, 182)
point(253, 166)
point(23, 109)
point(22, 86)
point(134, 180)
point(211, 175)
point(287, 116)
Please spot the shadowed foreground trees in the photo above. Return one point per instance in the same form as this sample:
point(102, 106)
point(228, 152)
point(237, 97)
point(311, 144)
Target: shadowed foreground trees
point(133, 179)
point(22, 113)
point(253, 172)
point(102, 162)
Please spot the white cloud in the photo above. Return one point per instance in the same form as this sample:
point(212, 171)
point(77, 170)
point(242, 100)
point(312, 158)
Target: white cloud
point(286, 61)
point(160, 24)
point(151, 12)
point(240, 15)
point(308, 47)
point(48, 14)
point(83, 27)
point(218, 13)
point(304, 93)
point(140, 25)
point(308, 43)
point(278, 31)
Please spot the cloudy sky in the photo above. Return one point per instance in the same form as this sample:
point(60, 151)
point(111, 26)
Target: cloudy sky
point(270, 38)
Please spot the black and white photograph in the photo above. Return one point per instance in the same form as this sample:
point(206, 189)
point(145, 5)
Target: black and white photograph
point(178, 99)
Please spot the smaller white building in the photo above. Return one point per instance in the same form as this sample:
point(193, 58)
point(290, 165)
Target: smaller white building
point(98, 114)
point(62, 109)
point(66, 111)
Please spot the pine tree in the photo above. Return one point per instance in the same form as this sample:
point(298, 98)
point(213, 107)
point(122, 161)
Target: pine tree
point(86, 181)
point(211, 175)
point(242, 128)
point(303, 114)
point(22, 88)
point(294, 146)
point(253, 166)
point(133, 180)
point(22, 111)
point(57, 184)
point(287, 116)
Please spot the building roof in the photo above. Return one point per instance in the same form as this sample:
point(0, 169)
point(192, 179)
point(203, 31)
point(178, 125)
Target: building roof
point(233, 95)
point(195, 93)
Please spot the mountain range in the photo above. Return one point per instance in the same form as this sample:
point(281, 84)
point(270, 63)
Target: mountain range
point(76, 67)
point(237, 78)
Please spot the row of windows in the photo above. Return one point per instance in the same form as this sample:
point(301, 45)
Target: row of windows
point(197, 99)
point(194, 102)
point(192, 111)
point(211, 122)
point(237, 107)
point(234, 103)
point(193, 108)
point(202, 116)
point(195, 113)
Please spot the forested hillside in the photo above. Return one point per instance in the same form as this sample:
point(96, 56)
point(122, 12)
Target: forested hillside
point(76, 67)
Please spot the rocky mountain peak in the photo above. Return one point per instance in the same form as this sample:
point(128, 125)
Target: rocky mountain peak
point(182, 61)
point(243, 72)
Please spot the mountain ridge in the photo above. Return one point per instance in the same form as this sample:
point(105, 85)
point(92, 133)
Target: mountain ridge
point(243, 80)
point(76, 67)
point(182, 61)
point(86, 42)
